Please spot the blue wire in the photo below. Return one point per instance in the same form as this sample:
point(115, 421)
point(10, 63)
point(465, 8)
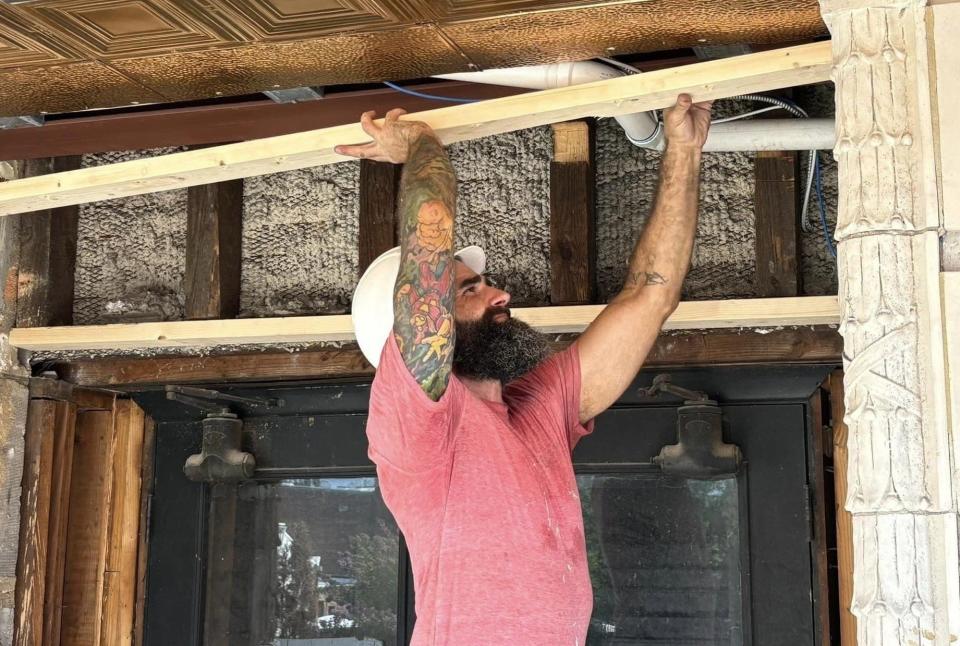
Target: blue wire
point(823, 208)
point(422, 95)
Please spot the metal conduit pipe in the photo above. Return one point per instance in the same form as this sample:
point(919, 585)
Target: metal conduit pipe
point(643, 128)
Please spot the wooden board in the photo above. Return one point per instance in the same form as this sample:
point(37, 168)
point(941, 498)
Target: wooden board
point(945, 63)
point(572, 214)
point(87, 530)
point(146, 496)
point(758, 72)
point(693, 315)
point(379, 194)
point(34, 523)
point(844, 521)
point(120, 561)
point(48, 253)
point(776, 208)
point(214, 235)
point(717, 347)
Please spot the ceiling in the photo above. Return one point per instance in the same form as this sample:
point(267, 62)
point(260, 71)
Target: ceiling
point(70, 55)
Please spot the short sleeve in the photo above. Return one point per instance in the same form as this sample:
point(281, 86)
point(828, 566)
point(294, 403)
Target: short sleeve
point(556, 383)
point(405, 428)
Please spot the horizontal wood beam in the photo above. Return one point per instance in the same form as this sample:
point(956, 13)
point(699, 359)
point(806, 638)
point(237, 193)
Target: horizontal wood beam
point(810, 344)
point(716, 79)
point(694, 315)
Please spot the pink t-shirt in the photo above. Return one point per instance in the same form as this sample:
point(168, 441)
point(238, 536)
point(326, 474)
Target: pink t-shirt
point(486, 498)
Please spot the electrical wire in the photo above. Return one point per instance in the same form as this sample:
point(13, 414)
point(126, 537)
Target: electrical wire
point(626, 67)
point(823, 209)
point(737, 117)
point(423, 95)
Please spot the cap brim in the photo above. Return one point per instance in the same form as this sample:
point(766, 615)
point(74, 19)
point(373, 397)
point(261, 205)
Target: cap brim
point(372, 307)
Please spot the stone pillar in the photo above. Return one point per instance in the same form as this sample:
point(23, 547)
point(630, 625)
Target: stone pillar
point(906, 586)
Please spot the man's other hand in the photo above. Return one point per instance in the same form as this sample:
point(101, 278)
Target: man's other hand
point(687, 123)
point(391, 141)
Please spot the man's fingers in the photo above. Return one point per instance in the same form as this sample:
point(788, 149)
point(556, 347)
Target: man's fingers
point(366, 122)
point(394, 114)
point(361, 151)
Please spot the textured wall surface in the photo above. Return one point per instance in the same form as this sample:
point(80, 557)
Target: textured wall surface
point(130, 253)
point(300, 241)
point(300, 228)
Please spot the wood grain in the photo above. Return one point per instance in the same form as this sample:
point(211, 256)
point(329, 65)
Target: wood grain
point(776, 209)
point(379, 195)
point(214, 236)
point(758, 72)
point(844, 521)
point(572, 214)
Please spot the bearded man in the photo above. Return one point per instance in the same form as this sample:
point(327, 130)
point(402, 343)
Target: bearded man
point(472, 422)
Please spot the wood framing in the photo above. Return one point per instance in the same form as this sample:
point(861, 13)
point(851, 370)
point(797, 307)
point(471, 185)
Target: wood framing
point(758, 72)
point(842, 518)
point(718, 347)
point(214, 236)
point(572, 214)
point(379, 192)
point(776, 208)
point(48, 253)
point(693, 315)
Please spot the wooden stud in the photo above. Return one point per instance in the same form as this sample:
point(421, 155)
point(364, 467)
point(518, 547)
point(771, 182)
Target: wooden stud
point(693, 315)
point(776, 202)
point(35, 522)
point(123, 520)
point(214, 237)
point(763, 71)
point(844, 521)
point(87, 530)
point(821, 595)
point(379, 195)
point(48, 253)
point(146, 495)
point(572, 214)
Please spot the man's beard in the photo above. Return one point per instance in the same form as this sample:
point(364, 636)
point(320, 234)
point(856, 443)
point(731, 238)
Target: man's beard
point(486, 349)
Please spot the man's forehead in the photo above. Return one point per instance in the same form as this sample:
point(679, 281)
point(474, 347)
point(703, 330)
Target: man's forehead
point(464, 272)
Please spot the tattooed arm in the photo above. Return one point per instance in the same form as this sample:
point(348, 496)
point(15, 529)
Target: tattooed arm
point(628, 327)
point(424, 293)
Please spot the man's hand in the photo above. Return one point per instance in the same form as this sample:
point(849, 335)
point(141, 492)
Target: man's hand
point(687, 123)
point(391, 141)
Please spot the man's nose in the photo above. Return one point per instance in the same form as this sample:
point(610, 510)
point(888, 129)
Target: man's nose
point(500, 299)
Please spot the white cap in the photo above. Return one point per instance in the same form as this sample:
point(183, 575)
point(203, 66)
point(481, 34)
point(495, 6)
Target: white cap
point(372, 310)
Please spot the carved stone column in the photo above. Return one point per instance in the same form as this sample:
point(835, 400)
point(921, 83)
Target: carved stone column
point(900, 480)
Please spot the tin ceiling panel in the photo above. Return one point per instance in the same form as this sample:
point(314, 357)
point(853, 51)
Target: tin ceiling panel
point(303, 19)
point(23, 43)
point(118, 28)
point(328, 61)
point(654, 25)
point(67, 88)
point(155, 50)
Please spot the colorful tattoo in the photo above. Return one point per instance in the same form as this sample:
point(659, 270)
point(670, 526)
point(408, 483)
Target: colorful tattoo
point(424, 295)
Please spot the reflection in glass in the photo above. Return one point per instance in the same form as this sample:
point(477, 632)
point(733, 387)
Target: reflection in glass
point(664, 556)
point(316, 563)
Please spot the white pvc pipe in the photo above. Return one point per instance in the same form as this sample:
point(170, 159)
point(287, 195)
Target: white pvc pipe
point(771, 134)
point(640, 128)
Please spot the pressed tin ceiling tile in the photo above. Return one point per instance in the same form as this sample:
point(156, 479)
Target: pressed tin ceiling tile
point(79, 86)
point(117, 28)
point(326, 61)
point(305, 19)
point(654, 25)
point(23, 43)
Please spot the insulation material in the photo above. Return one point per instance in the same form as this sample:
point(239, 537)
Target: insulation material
point(503, 205)
point(130, 253)
point(301, 228)
point(300, 232)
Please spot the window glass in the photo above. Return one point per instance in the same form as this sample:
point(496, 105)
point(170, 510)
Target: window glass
point(664, 556)
point(318, 559)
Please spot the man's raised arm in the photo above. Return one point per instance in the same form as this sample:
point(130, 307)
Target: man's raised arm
point(628, 327)
point(424, 293)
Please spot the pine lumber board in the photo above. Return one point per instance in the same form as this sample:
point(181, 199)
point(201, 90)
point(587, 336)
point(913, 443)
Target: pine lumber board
point(120, 566)
point(757, 72)
point(692, 315)
point(844, 520)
